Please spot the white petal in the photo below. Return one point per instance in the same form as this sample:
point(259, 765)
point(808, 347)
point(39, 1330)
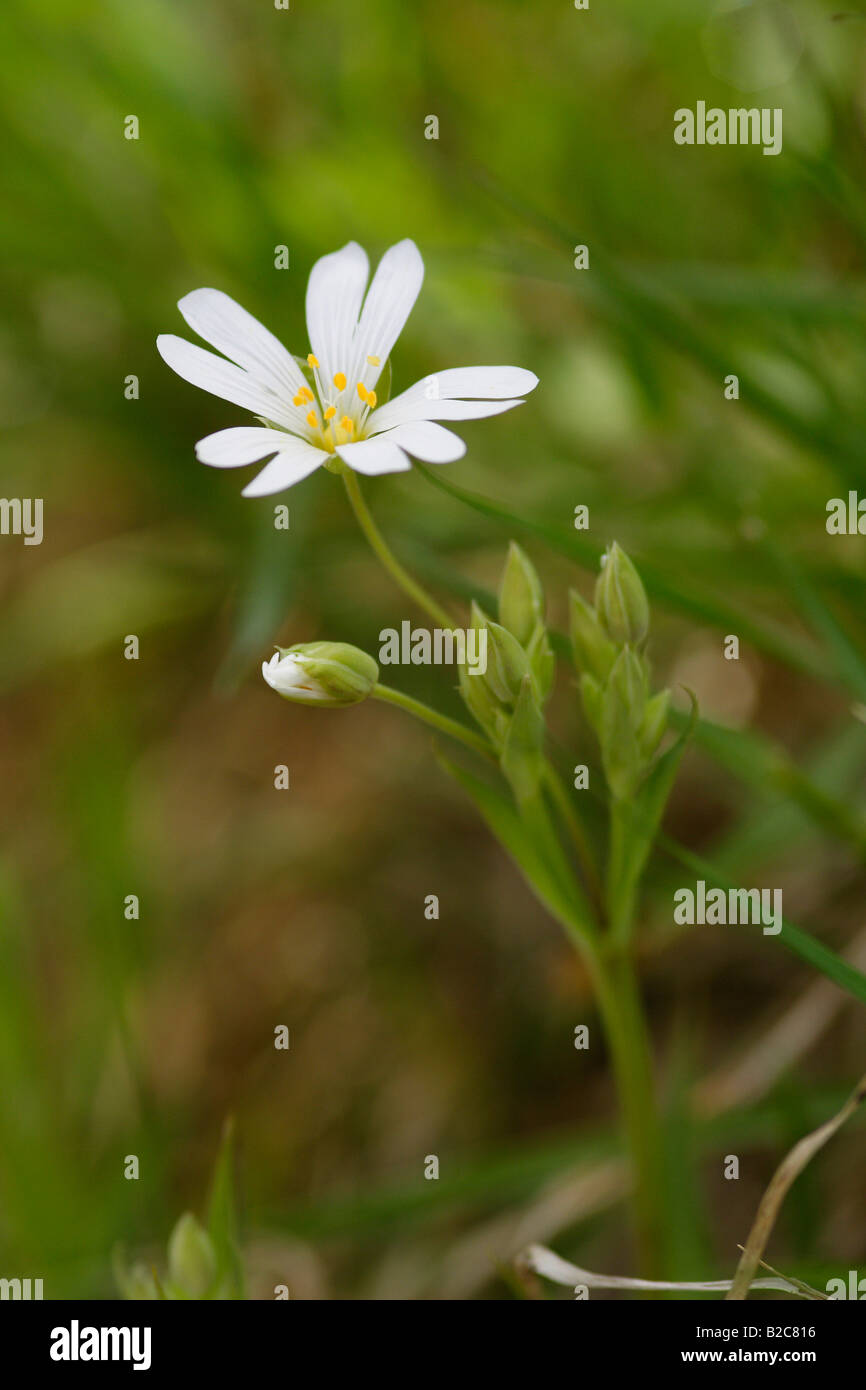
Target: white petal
point(392, 293)
point(243, 444)
point(372, 456)
point(408, 407)
point(291, 464)
point(483, 383)
point(424, 400)
point(424, 440)
point(221, 378)
point(232, 331)
point(334, 295)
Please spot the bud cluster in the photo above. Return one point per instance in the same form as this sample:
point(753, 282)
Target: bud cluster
point(507, 700)
point(607, 641)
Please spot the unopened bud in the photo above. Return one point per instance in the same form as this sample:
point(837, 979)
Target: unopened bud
point(594, 653)
point(655, 722)
point(321, 673)
point(483, 705)
point(191, 1257)
point(507, 662)
point(542, 662)
point(623, 708)
point(620, 599)
point(521, 597)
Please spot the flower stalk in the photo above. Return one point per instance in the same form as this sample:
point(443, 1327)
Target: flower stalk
point(402, 578)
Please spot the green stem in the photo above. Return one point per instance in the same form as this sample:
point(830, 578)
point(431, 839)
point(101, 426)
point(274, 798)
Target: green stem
point(380, 546)
point(621, 895)
point(631, 1054)
point(437, 721)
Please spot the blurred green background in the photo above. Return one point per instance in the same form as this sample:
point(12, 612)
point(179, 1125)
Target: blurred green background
point(305, 127)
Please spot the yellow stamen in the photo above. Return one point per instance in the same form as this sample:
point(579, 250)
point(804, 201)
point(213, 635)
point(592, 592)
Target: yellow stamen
point(306, 394)
point(371, 399)
point(298, 399)
point(362, 390)
point(330, 412)
point(313, 420)
point(374, 361)
point(312, 360)
point(340, 381)
point(347, 425)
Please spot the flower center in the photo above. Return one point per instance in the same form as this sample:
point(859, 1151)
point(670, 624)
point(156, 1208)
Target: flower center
point(336, 412)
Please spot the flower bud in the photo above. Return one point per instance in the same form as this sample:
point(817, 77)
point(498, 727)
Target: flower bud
point(191, 1258)
point(483, 705)
point(542, 662)
point(620, 599)
point(507, 662)
point(623, 708)
point(594, 653)
point(521, 597)
point(654, 722)
point(321, 673)
point(591, 697)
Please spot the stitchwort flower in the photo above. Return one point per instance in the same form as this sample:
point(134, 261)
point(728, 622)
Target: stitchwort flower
point(327, 407)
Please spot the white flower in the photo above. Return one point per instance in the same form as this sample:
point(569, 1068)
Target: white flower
point(334, 411)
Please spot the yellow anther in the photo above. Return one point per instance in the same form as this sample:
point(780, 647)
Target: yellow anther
point(347, 425)
point(362, 390)
point(312, 360)
point(340, 381)
point(374, 361)
point(371, 399)
point(313, 420)
point(298, 399)
point(307, 393)
point(330, 412)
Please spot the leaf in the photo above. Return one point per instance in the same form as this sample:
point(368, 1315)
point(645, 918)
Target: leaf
point(634, 825)
point(506, 825)
point(801, 943)
point(842, 653)
point(654, 793)
point(222, 1218)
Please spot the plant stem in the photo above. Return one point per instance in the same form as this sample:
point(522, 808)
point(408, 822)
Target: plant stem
point(622, 883)
point(437, 721)
point(382, 550)
point(631, 1054)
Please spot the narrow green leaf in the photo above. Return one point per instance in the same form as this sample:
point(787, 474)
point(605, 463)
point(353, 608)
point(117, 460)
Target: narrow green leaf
point(506, 825)
point(222, 1218)
point(801, 943)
